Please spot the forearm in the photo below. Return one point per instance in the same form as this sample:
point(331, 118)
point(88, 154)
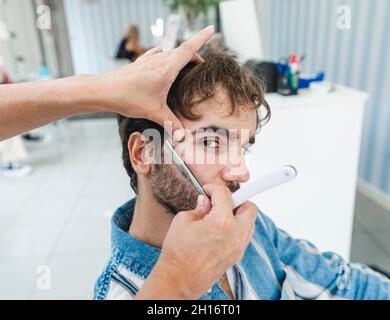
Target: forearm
point(30, 105)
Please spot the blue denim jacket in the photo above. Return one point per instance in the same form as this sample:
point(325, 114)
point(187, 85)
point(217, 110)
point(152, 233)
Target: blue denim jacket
point(274, 266)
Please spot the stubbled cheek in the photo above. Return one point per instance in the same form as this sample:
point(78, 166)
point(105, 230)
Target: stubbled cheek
point(172, 189)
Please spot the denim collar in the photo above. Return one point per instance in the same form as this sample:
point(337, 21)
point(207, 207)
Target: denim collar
point(139, 257)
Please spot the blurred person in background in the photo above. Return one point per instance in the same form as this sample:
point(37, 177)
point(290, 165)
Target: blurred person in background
point(129, 47)
point(12, 151)
point(12, 158)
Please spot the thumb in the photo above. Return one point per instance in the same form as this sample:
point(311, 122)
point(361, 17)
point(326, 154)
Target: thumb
point(166, 114)
point(246, 213)
point(178, 132)
point(203, 206)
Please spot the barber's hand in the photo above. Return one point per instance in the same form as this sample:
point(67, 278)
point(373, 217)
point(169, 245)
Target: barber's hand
point(200, 246)
point(140, 89)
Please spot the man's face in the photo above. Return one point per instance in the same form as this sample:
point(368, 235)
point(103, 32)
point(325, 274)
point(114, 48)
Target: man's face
point(214, 150)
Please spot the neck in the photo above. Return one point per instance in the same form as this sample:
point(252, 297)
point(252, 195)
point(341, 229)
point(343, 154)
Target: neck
point(151, 221)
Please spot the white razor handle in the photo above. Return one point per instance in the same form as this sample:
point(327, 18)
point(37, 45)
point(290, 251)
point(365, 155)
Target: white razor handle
point(262, 184)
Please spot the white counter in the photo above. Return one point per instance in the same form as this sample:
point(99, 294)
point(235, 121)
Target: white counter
point(319, 135)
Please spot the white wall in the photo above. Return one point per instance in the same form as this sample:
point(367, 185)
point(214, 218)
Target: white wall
point(358, 57)
point(18, 16)
point(96, 28)
point(243, 38)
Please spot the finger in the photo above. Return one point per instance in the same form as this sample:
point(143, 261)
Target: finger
point(184, 53)
point(181, 147)
point(168, 115)
point(250, 234)
point(203, 206)
point(246, 213)
point(246, 206)
point(221, 199)
point(197, 58)
point(245, 216)
point(177, 128)
point(178, 136)
point(150, 52)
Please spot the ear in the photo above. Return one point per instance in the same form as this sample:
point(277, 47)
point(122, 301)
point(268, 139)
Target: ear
point(140, 157)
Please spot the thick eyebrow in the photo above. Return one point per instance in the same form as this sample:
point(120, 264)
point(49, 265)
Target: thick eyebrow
point(222, 131)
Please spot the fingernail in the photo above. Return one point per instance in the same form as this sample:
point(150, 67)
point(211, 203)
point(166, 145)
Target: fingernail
point(178, 135)
point(210, 27)
point(201, 200)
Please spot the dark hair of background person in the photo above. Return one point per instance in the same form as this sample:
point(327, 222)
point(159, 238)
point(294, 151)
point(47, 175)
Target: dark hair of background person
point(129, 47)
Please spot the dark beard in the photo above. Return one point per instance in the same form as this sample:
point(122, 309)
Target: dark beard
point(174, 192)
point(233, 186)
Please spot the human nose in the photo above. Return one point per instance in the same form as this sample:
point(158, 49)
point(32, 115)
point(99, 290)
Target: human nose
point(237, 171)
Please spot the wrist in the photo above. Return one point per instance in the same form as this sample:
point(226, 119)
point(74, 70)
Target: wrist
point(71, 95)
point(112, 91)
point(167, 281)
point(85, 92)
